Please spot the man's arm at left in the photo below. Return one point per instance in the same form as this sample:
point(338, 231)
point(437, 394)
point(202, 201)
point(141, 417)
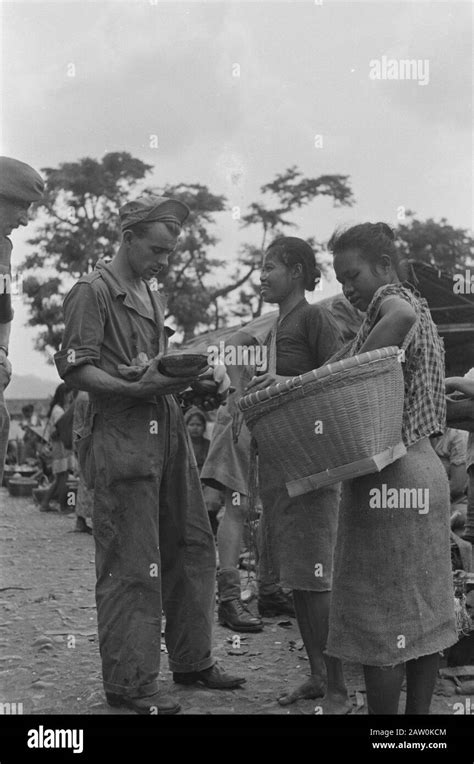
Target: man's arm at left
point(5, 365)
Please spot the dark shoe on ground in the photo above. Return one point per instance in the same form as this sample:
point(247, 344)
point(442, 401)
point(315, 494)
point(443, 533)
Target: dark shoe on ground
point(164, 705)
point(38, 494)
point(81, 526)
point(212, 677)
point(237, 616)
point(271, 605)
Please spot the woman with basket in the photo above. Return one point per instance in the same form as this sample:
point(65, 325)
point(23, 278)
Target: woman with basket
point(300, 532)
point(392, 606)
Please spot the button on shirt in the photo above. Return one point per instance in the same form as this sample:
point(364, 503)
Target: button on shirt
point(107, 325)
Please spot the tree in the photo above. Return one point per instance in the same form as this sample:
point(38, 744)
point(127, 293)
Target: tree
point(291, 191)
point(78, 225)
point(190, 299)
point(436, 243)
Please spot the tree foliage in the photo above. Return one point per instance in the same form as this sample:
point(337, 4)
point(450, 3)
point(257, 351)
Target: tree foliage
point(275, 215)
point(78, 225)
point(436, 243)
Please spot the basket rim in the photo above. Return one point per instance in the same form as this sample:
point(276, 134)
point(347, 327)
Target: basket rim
point(323, 372)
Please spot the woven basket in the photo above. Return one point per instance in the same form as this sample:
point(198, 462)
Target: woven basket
point(22, 486)
point(337, 422)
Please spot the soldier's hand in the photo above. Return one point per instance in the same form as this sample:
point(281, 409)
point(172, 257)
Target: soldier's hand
point(155, 383)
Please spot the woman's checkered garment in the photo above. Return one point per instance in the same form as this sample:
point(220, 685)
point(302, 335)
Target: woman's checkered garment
point(424, 412)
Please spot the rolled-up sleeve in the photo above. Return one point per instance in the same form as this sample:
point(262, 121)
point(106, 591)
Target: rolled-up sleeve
point(6, 312)
point(84, 316)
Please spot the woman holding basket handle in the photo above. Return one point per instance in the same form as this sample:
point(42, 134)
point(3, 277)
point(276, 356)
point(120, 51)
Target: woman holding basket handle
point(392, 606)
point(299, 533)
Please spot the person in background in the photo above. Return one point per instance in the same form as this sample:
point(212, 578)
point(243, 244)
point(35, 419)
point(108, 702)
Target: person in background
point(465, 385)
point(20, 186)
point(196, 422)
point(62, 458)
point(11, 456)
point(85, 495)
point(29, 417)
point(30, 439)
point(226, 469)
point(451, 448)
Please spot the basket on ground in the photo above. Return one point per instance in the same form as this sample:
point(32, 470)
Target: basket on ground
point(21, 486)
point(340, 421)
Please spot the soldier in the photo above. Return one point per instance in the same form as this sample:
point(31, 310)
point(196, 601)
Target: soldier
point(20, 185)
point(154, 544)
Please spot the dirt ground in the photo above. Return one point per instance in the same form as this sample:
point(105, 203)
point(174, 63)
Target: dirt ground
point(49, 654)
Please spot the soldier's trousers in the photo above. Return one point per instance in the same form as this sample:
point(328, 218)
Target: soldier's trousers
point(154, 545)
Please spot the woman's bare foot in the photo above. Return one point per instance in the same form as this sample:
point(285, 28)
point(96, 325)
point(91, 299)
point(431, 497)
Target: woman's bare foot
point(312, 688)
point(334, 704)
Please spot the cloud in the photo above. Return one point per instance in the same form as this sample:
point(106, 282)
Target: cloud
point(136, 72)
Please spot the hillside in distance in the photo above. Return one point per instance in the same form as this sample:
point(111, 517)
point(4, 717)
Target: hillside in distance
point(30, 386)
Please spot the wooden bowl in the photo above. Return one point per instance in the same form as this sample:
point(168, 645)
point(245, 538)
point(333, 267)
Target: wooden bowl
point(183, 364)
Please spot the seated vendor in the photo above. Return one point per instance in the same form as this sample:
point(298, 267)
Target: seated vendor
point(451, 448)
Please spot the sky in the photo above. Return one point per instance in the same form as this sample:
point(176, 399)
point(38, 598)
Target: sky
point(236, 92)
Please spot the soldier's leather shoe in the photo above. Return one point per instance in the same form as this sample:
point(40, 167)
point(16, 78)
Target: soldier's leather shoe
point(212, 677)
point(164, 705)
point(271, 605)
point(237, 616)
